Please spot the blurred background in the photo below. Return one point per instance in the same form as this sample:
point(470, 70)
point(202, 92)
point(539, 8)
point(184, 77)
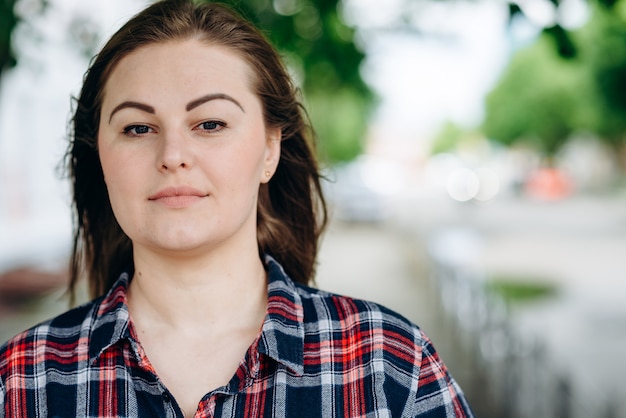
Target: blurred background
point(474, 151)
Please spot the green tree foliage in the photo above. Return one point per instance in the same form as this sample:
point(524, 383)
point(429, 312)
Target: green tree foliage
point(544, 97)
point(536, 100)
point(8, 21)
point(11, 16)
point(448, 138)
point(565, 47)
point(340, 122)
point(604, 43)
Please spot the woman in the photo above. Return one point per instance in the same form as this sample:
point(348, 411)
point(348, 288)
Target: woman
point(198, 208)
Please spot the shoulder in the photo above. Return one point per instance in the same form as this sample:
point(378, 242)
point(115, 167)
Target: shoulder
point(57, 337)
point(320, 305)
point(365, 324)
point(371, 340)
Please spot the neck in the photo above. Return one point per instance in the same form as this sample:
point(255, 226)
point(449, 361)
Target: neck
point(184, 292)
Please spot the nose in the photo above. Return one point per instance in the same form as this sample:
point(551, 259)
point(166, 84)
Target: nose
point(173, 153)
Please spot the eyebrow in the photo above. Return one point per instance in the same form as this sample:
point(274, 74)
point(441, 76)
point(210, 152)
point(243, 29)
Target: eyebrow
point(135, 105)
point(215, 96)
point(190, 106)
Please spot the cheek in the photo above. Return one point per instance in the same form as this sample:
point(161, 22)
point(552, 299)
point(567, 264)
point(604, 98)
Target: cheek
point(119, 175)
point(244, 165)
point(109, 171)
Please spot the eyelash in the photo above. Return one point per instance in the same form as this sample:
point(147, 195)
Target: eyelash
point(128, 130)
point(217, 126)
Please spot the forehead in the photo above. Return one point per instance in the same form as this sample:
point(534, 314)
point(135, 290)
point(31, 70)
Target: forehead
point(182, 65)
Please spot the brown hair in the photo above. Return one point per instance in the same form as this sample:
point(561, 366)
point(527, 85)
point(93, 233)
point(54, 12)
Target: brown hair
point(291, 211)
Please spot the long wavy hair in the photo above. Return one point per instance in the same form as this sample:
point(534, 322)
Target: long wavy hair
point(291, 212)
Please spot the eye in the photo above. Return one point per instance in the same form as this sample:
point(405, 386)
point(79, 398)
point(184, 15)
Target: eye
point(211, 126)
point(137, 130)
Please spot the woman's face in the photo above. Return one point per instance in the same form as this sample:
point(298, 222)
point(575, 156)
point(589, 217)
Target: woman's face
point(184, 147)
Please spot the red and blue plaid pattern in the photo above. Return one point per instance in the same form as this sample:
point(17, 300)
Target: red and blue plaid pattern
point(318, 355)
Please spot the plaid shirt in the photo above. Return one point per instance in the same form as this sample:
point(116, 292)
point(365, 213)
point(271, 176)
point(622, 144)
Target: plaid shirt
point(318, 355)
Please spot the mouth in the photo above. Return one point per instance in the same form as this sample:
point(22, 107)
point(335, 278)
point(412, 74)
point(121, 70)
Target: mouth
point(177, 197)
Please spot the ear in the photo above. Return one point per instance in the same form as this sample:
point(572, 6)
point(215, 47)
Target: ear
point(272, 153)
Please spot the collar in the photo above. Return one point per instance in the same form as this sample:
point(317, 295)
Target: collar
point(111, 321)
point(282, 335)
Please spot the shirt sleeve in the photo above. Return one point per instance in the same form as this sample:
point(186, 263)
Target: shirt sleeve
point(438, 394)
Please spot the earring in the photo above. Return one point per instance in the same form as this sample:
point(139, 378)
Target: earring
point(267, 174)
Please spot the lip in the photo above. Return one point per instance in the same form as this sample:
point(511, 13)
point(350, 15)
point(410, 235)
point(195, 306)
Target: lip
point(177, 197)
